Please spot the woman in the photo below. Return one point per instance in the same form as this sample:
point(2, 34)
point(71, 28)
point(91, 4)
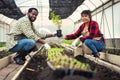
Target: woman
point(91, 34)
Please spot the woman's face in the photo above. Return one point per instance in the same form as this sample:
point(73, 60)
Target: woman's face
point(85, 18)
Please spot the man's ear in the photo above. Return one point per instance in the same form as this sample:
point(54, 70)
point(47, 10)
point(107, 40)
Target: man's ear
point(27, 13)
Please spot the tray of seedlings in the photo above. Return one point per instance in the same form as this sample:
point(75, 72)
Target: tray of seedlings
point(63, 65)
point(58, 63)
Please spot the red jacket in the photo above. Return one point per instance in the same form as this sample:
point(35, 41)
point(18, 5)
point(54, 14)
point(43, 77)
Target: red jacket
point(93, 29)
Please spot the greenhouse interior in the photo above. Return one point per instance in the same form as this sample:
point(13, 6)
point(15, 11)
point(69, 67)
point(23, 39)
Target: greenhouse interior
point(59, 39)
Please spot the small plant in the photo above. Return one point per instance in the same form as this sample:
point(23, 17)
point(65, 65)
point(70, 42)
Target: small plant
point(56, 19)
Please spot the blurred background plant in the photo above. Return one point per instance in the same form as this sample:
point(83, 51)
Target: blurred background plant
point(2, 44)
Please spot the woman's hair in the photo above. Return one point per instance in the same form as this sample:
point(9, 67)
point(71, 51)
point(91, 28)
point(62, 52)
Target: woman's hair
point(30, 9)
point(88, 12)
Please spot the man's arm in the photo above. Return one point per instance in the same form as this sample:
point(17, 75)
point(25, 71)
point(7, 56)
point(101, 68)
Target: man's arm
point(50, 35)
point(41, 41)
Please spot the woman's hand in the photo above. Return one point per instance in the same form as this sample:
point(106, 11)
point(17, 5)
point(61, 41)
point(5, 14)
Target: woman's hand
point(63, 37)
point(75, 42)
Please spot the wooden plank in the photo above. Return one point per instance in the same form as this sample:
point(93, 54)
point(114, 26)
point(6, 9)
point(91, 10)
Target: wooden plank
point(115, 59)
point(105, 56)
point(9, 71)
point(103, 63)
point(6, 60)
point(16, 76)
point(2, 48)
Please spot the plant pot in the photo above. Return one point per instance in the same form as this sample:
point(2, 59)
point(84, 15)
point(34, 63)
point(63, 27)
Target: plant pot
point(59, 33)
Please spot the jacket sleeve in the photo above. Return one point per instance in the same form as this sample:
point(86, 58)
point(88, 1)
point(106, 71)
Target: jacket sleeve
point(93, 32)
point(41, 35)
point(75, 35)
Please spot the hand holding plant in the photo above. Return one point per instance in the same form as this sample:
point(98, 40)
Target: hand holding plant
point(56, 19)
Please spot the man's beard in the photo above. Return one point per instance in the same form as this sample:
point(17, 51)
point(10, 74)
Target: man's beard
point(31, 19)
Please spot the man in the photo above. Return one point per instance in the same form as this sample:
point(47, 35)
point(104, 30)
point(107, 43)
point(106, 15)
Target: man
point(23, 36)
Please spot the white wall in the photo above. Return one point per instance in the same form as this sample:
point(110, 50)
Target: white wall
point(3, 32)
point(110, 26)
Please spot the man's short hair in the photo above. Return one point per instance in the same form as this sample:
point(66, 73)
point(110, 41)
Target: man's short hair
point(30, 9)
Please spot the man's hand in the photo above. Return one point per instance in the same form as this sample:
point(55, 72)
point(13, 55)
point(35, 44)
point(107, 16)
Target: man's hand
point(42, 41)
point(50, 35)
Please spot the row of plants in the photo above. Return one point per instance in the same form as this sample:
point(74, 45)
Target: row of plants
point(69, 42)
point(60, 60)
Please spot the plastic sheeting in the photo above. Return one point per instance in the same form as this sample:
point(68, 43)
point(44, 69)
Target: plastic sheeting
point(9, 9)
point(64, 8)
